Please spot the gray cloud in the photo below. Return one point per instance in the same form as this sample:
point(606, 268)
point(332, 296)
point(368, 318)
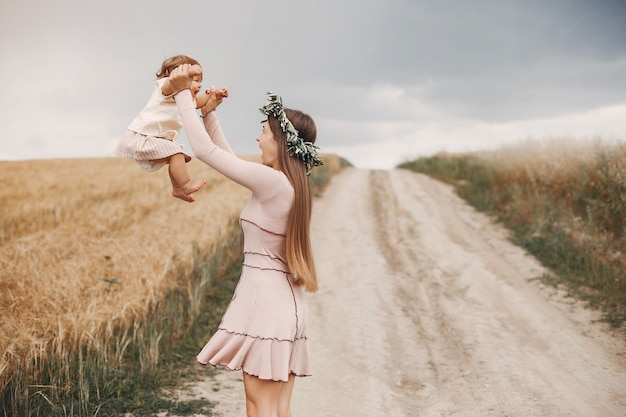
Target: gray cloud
point(368, 71)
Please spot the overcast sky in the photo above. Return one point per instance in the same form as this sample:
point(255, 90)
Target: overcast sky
point(386, 81)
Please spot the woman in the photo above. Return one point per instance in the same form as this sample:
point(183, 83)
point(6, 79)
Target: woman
point(263, 331)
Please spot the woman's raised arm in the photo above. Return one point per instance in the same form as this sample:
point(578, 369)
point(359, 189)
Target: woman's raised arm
point(214, 129)
point(258, 178)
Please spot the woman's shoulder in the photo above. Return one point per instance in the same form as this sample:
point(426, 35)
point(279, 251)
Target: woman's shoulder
point(286, 191)
point(276, 185)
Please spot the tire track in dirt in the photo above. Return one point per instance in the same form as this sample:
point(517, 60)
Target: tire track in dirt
point(426, 309)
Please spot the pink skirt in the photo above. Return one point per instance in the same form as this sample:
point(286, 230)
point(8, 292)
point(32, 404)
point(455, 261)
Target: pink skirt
point(148, 149)
point(263, 331)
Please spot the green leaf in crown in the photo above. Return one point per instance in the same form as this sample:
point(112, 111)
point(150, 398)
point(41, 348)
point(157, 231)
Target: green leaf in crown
point(296, 146)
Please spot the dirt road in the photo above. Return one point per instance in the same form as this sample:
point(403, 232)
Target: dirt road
point(426, 309)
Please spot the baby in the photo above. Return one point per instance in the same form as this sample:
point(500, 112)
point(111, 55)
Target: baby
point(151, 137)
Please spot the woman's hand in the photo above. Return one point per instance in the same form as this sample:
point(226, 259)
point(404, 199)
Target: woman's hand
point(182, 76)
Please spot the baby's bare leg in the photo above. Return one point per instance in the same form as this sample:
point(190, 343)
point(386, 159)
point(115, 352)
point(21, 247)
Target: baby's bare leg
point(182, 185)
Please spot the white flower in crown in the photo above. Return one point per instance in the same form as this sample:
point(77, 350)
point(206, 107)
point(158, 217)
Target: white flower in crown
point(296, 146)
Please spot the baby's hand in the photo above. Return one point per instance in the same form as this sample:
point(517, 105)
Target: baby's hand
point(216, 95)
point(220, 92)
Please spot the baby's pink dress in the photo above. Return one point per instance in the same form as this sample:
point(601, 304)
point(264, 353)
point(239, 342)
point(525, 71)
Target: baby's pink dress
point(263, 331)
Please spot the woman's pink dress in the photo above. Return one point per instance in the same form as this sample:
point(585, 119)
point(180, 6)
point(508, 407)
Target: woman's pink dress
point(263, 331)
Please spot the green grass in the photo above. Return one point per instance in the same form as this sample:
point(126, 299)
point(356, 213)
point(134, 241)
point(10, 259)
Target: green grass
point(568, 211)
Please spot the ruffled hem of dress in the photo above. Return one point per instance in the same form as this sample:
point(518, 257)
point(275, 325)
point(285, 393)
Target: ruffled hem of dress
point(265, 358)
point(221, 365)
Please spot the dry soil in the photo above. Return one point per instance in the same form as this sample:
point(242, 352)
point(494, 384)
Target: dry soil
point(426, 309)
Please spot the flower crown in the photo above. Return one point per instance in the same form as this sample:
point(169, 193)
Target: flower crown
point(296, 146)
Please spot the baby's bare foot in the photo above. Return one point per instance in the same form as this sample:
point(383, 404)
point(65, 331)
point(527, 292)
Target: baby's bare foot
point(184, 192)
point(179, 193)
point(192, 186)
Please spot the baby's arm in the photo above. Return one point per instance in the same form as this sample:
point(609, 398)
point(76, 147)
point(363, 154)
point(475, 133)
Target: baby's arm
point(215, 98)
point(167, 89)
point(202, 100)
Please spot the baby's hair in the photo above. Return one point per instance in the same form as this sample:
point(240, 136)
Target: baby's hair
point(171, 63)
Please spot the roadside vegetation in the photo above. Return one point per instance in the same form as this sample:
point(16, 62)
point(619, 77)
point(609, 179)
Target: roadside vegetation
point(564, 201)
point(109, 286)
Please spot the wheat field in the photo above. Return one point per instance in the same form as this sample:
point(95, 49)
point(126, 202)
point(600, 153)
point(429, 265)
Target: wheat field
point(87, 245)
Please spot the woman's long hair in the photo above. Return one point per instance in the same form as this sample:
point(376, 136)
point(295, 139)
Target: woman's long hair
point(298, 242)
